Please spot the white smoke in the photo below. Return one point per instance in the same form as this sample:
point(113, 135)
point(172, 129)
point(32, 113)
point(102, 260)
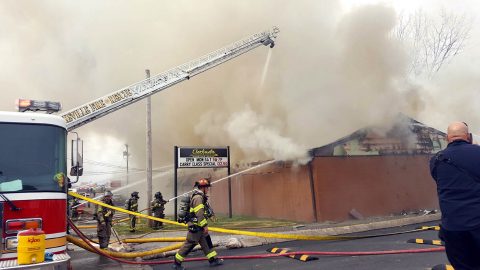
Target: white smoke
point(256, 135)
point(329, 74)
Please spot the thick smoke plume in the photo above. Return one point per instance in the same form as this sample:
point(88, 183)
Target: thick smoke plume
point(330, 73)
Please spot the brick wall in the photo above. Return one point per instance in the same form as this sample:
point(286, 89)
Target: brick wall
point(373, 185)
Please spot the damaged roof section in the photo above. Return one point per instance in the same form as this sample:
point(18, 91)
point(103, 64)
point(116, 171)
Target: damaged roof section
point(405, 136)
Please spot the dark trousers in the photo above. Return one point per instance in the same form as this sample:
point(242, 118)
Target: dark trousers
point(158, 224)
point(104, 230)
point(462, 248)
point(194, 238)
point(133, 220)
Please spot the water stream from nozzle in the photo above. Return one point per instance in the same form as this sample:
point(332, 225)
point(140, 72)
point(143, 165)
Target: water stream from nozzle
point(161, 174)
point(170, 172)
point(229, 176)
point(264, 72)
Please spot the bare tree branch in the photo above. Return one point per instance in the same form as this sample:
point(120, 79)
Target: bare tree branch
point(432, 41)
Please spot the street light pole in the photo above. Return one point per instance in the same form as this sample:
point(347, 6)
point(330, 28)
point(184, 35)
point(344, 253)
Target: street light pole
point(149, 152)
point(126, 154)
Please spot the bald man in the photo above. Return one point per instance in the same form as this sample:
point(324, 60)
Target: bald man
point(456, 171)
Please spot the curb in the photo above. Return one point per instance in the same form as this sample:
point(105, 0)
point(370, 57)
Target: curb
point(250, 241)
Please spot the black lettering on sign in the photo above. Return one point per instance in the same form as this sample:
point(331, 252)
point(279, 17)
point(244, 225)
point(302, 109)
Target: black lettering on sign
point(203, 152)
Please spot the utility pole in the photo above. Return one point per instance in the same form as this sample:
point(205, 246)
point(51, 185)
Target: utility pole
point(126, 154)
point(149, 153)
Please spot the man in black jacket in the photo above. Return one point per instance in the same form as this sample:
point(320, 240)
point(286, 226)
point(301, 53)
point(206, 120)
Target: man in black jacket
point(456, 171)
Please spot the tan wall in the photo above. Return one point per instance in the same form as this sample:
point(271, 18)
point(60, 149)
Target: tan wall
point(271, 192)
point(376, 185)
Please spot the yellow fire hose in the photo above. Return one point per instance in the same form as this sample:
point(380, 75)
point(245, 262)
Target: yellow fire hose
point(87, 226)
point(214, 229)
point(149, 240)
point(95, 226)
point(229, 231)
point(113, 222)
point(130, 255)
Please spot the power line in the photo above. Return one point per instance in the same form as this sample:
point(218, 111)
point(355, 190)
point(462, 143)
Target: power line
point(111, 172)
point(110, 165)
point(104, 164)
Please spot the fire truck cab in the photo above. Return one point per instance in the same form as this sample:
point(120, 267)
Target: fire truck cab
point(33, 185)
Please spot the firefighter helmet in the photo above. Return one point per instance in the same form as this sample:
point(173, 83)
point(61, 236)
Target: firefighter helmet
point(158, 195)
point(135, 194)
point(202, 183)
point(108, 193)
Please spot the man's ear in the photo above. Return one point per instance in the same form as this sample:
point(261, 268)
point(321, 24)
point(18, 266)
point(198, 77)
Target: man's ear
point(448, 138)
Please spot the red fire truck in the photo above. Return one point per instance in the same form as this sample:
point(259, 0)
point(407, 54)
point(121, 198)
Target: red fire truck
point(33, 167)
point(33, 184)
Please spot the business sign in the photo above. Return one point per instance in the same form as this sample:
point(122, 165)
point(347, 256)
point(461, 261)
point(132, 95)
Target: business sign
point(193, 157)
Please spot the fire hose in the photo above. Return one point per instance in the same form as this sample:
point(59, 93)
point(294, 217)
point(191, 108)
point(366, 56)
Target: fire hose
point(256, 256)
point(113, 222)
point(239, 232)
point(86, 244)
point(271, 235)
point(95, 226)
point(150, 240)
point(130, 255)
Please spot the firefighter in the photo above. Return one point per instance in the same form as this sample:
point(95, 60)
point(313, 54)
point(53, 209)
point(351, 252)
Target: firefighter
point(70, 205)
point(132, 205)
point(74, 209)
point(104, 218)
point(158, 208)
point(198, 227)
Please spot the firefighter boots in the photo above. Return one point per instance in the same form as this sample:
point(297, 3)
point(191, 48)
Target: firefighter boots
point(215, 262)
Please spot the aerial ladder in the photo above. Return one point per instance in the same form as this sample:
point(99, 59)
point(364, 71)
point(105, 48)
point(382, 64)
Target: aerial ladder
point(104, 105)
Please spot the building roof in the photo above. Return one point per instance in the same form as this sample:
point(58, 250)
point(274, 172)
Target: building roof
point(405, 136)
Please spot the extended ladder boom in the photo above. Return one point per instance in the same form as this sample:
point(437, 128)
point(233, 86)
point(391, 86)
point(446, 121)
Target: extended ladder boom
point(102, 106)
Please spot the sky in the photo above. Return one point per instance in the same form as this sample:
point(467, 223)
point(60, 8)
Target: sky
point(335, 68)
